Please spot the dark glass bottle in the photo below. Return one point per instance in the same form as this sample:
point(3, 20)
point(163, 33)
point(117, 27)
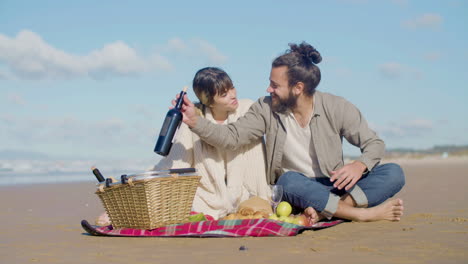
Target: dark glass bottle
point(170, 126)
point(98, 174)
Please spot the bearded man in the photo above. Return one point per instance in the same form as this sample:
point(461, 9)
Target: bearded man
point(303, 130)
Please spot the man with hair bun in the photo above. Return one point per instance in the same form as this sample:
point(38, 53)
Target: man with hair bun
point(304, 129)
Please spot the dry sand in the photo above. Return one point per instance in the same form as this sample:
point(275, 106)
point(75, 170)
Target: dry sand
point(41, 224)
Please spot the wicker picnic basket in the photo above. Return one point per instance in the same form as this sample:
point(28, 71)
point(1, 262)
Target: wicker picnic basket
point(151, 199)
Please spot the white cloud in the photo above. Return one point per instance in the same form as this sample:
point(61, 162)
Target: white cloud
point(210, 51)
point(177, 45)
point(456, 3)
point(28, 56)
point(4, 75)
point(418, 124)
point(344, 72)
point(196, 48)
point(394, 70)
point(355, 1)
point(7, 119)
point(16, 99)
point(157, 61)
point(409, 128)
point(432, 56)
point(425, 21)
point(391, 70)
point(143, 111)
point(400, 2)
point(332, 60)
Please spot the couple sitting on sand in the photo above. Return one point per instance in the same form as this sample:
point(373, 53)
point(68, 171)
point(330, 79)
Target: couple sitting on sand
point(302, 130)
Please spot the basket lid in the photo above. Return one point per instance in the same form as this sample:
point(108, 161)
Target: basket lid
point(148, 175)
point(163, 173)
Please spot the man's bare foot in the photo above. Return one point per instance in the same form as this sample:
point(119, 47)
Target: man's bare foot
point(312, 217)
point(391, 210)
point(103, 220)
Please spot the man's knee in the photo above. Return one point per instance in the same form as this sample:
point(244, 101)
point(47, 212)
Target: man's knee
point(396, 176)
point(289, 179)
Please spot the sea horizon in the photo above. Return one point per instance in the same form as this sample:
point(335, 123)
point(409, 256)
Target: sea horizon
point(33, 178)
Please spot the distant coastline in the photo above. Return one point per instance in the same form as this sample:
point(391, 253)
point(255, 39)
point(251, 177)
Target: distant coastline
point(434, 153)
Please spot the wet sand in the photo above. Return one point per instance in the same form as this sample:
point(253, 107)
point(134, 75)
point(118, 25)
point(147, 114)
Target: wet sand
point(41, 224)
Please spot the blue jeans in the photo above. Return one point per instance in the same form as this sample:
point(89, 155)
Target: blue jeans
point(381, 183)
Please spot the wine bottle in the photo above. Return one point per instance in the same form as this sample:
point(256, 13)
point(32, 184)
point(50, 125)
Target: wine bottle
point(97, 174)
point(170, 126)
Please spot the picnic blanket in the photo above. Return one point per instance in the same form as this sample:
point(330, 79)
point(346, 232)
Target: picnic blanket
point(218, 228)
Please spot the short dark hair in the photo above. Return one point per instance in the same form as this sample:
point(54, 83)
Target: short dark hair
point(301, 60)
point(209, 82)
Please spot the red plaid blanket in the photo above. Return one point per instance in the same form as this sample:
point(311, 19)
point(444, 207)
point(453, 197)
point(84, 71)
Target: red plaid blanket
point(219, 228)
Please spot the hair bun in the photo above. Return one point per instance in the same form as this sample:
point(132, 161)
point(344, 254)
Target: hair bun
point(307, 51)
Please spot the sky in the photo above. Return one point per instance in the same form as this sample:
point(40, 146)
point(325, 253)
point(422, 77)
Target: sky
point(94, 79)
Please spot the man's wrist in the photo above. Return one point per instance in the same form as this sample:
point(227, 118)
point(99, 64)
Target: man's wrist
point(361, 166)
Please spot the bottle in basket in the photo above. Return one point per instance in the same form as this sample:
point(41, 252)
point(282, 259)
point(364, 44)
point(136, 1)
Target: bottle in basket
point(98, 174)
point(170, 126)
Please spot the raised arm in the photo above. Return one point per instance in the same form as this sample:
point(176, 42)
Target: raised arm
point(242, 132)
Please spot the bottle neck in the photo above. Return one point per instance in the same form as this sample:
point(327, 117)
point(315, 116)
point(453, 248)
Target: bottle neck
point(180, 101)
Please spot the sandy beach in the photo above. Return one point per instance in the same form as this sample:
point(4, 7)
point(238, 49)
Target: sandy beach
point(41, 224)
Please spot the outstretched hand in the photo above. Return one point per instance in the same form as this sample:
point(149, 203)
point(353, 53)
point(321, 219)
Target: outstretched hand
point(348, 175)
point(188, 110)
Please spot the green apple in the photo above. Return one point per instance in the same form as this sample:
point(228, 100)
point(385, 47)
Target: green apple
point(283, 209)
point(286, 219)
point(300, 220)
point(197, 217)
point(273, 217)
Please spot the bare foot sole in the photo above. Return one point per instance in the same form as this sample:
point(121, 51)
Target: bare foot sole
point(312, 217)
point(391, 210)
point(103, 220)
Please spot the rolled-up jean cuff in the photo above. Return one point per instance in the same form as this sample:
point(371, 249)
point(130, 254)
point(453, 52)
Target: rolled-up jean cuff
point(359, 196)
point(331, 207)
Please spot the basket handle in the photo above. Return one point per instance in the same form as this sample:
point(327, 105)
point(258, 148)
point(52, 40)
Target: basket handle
point(101, 187)
point(130, 181)
point(109, 181)
point(123, 179)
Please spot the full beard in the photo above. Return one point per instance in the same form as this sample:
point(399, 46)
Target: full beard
point(283, 105)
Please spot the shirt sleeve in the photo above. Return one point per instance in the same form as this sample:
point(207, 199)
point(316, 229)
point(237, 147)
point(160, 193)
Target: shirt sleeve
point(357, 132)
point(244, 131)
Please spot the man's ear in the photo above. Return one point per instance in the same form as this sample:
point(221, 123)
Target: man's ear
point(298, 88)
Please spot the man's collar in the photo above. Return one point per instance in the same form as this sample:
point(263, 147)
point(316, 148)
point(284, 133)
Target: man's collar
point(318, 108)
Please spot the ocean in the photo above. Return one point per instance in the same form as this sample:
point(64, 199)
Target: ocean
point(21, 178)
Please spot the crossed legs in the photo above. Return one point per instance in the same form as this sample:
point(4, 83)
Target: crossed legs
point(368, 202)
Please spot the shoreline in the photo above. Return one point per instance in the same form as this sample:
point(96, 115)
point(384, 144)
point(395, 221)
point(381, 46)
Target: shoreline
point(22, 178)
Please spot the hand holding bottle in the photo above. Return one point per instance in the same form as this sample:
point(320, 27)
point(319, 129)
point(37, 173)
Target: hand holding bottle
point(190, 116)
point(170, 127)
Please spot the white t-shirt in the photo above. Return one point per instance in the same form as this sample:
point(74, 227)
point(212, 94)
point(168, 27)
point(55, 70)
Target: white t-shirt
point(299, 152)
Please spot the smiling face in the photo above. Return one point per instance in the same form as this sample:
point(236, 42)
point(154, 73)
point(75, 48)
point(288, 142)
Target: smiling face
point(225, 101)
point(281, 95)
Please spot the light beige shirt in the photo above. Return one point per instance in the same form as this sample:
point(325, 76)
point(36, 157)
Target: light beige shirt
point(299, 150)
point(334, 118)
